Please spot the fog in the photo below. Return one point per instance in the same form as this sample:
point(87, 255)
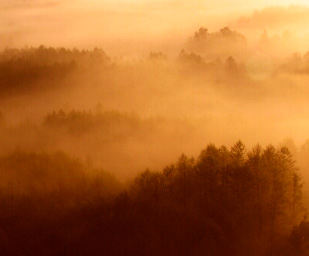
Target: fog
point(132, 27)
point(94, 93)
point(178, 103)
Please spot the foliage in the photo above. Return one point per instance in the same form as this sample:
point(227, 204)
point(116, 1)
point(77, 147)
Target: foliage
point(225, 202)
point(22, 70)
point(223, 43)
point(114, 124)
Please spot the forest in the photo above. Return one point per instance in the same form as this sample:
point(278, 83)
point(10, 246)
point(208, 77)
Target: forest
point(82, 179)
point(155, 128)
point(223, 202)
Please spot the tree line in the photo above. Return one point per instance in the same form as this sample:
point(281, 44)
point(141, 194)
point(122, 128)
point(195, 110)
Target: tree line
point(30, 68)
point(224, 202)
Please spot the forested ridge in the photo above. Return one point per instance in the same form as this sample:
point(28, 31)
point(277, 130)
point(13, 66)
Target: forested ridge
point(78, 127)
point(224, 202)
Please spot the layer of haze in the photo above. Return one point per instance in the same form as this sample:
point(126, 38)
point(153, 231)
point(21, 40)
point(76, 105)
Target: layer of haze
point(98, 99)
point(123, 28)
point(164, 87)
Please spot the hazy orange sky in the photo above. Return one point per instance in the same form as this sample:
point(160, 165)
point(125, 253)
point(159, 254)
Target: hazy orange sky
point(106, 23)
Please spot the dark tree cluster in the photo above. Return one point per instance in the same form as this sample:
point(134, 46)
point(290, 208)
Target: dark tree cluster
point(225, 202)
point(43, 55)
point(112, 123)
point(296, 64)
point(222, 70)
point(22, 70)
point(23, 173)
point(203, 34)
point(217, 44)
point(157, 56)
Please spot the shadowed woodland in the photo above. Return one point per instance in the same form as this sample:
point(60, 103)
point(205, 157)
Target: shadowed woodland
point(224, 202)
point(113, 152)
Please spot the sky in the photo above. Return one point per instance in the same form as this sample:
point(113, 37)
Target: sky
point(110, 23)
